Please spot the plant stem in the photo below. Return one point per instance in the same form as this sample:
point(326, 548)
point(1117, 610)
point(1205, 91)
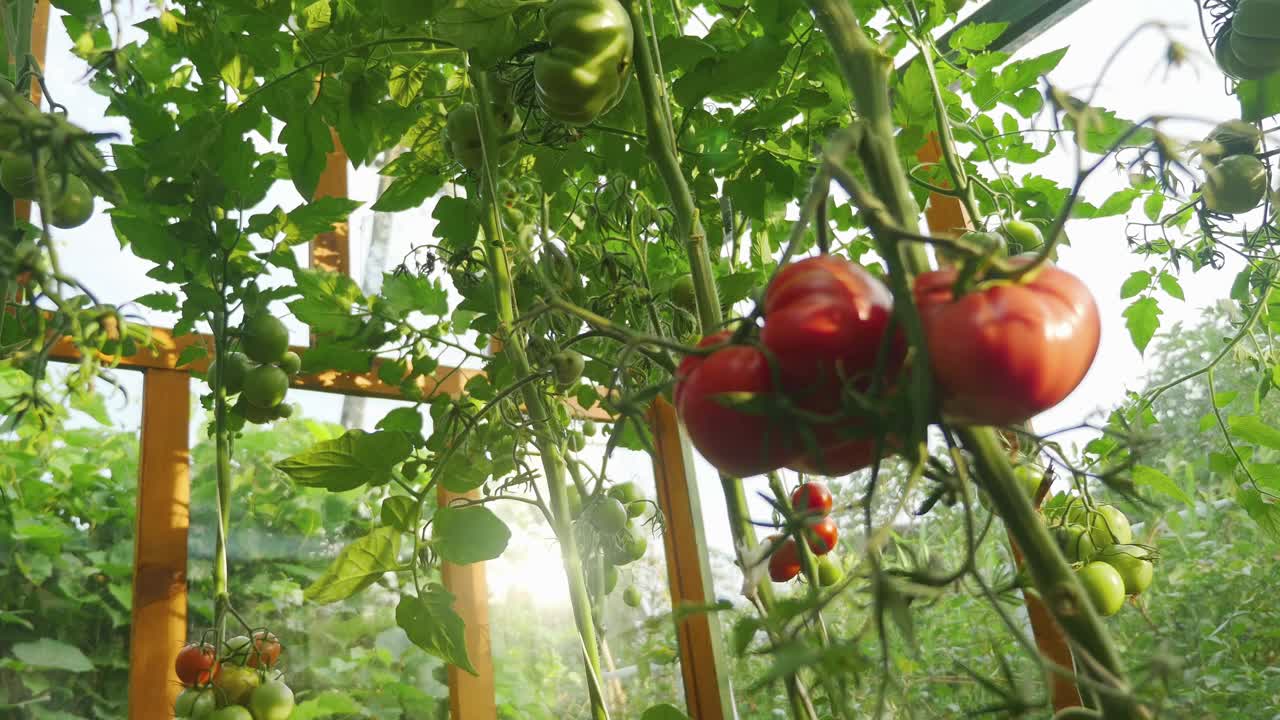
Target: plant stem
point(1057, 584)
point(662, 150)
point(222, 446)
point(547, 442)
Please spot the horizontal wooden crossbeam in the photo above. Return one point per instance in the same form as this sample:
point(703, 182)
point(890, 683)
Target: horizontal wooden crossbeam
point(165, 350)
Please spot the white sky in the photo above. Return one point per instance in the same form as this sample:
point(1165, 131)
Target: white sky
point(1138, 85)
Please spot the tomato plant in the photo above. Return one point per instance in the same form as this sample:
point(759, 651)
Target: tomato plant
point(1005, 352)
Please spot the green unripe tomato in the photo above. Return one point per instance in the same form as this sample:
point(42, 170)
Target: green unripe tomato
point(264, 338)
point(284, 411)
point(1133, 564)
point(628, 547)
point(1104, 587)
point(18, 175)
point(1235, 185)
point(566, 367)
point(576, 442)
point(254, 414)
point(1107, 525)
point(1076, 542)
point(463, 139)
point(589, 428)
point(232, 712)
point(684, 295)
point(234, 683)
point(73, 206)
point(265, 386)
point(631, 596)
point(1023, 236)
point(626, 493)
point(272, 701)
point(290, 363)
point(195, 703)
point(237, 368)
point(610, 578)
point(829, 571)
point(607, 516)
point(586, 70)
point(1233, 137)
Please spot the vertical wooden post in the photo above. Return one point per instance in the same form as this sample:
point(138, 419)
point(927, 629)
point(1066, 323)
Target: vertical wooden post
point(159, 625)
point(39, 48)
point(332, 250)
point(702, 659)
point(471, 697)
point(946, 215)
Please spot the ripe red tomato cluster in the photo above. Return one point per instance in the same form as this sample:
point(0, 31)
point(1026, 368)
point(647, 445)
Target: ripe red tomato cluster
point(813, 502)
point(999, 354)
point(241, 686)
point(825, 319)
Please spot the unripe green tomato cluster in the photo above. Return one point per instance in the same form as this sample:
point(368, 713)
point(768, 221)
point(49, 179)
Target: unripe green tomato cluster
point(1099, 540)
point(1247, 46)
point(260, 374)
point(21, 167)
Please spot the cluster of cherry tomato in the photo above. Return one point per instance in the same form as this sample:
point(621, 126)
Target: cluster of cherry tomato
point(22, 162)
point(609, 519)
point(1099, 541)
point(260, 374)
point(803, 394)
point(812, 502)
point(242, 685)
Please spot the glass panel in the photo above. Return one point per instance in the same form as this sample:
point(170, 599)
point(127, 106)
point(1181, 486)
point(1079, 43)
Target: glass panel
point(67, 509)
point(537, 654)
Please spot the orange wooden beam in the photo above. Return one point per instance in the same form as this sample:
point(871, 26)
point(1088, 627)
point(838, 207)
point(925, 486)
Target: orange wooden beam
point(946, 215)
point(702, 658)
point(471, 697)
point(39, 49)
point(159, 625)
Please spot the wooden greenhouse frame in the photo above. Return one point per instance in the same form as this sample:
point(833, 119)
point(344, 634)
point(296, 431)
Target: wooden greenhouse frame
point(159, 607)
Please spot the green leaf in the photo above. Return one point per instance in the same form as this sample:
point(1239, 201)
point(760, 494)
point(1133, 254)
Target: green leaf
point(403, 419)
point(1119, 203)
point(409, 191)
point(308, 142)
point(1161, 483)
point(162, 301)
point(1137, 282)
point(319, 216)
point(400, 512)
point(1264, 512)
point(977, 36)
point(53, 655)
point(1251, 429)
point(469, 534)
point(1171, 286)
point(431, 623)
point(1153, 205)
point(357, 458)
point(1025, 73)
point(1143, 319)
point(408, 292)
point(359, 565)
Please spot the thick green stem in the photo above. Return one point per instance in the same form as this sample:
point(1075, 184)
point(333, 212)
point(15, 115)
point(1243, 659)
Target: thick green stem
point(1054, 579)
point(222, 448)
point(540, 417)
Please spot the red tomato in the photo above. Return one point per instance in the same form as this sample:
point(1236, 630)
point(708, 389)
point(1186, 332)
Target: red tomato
point(1003, 353)
point(825, 319)
point(194, 664)
point(267, 649)
point(784, 563)
point(837, 459)
point(735, 441)
point(822, 536)
point(812, 497)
